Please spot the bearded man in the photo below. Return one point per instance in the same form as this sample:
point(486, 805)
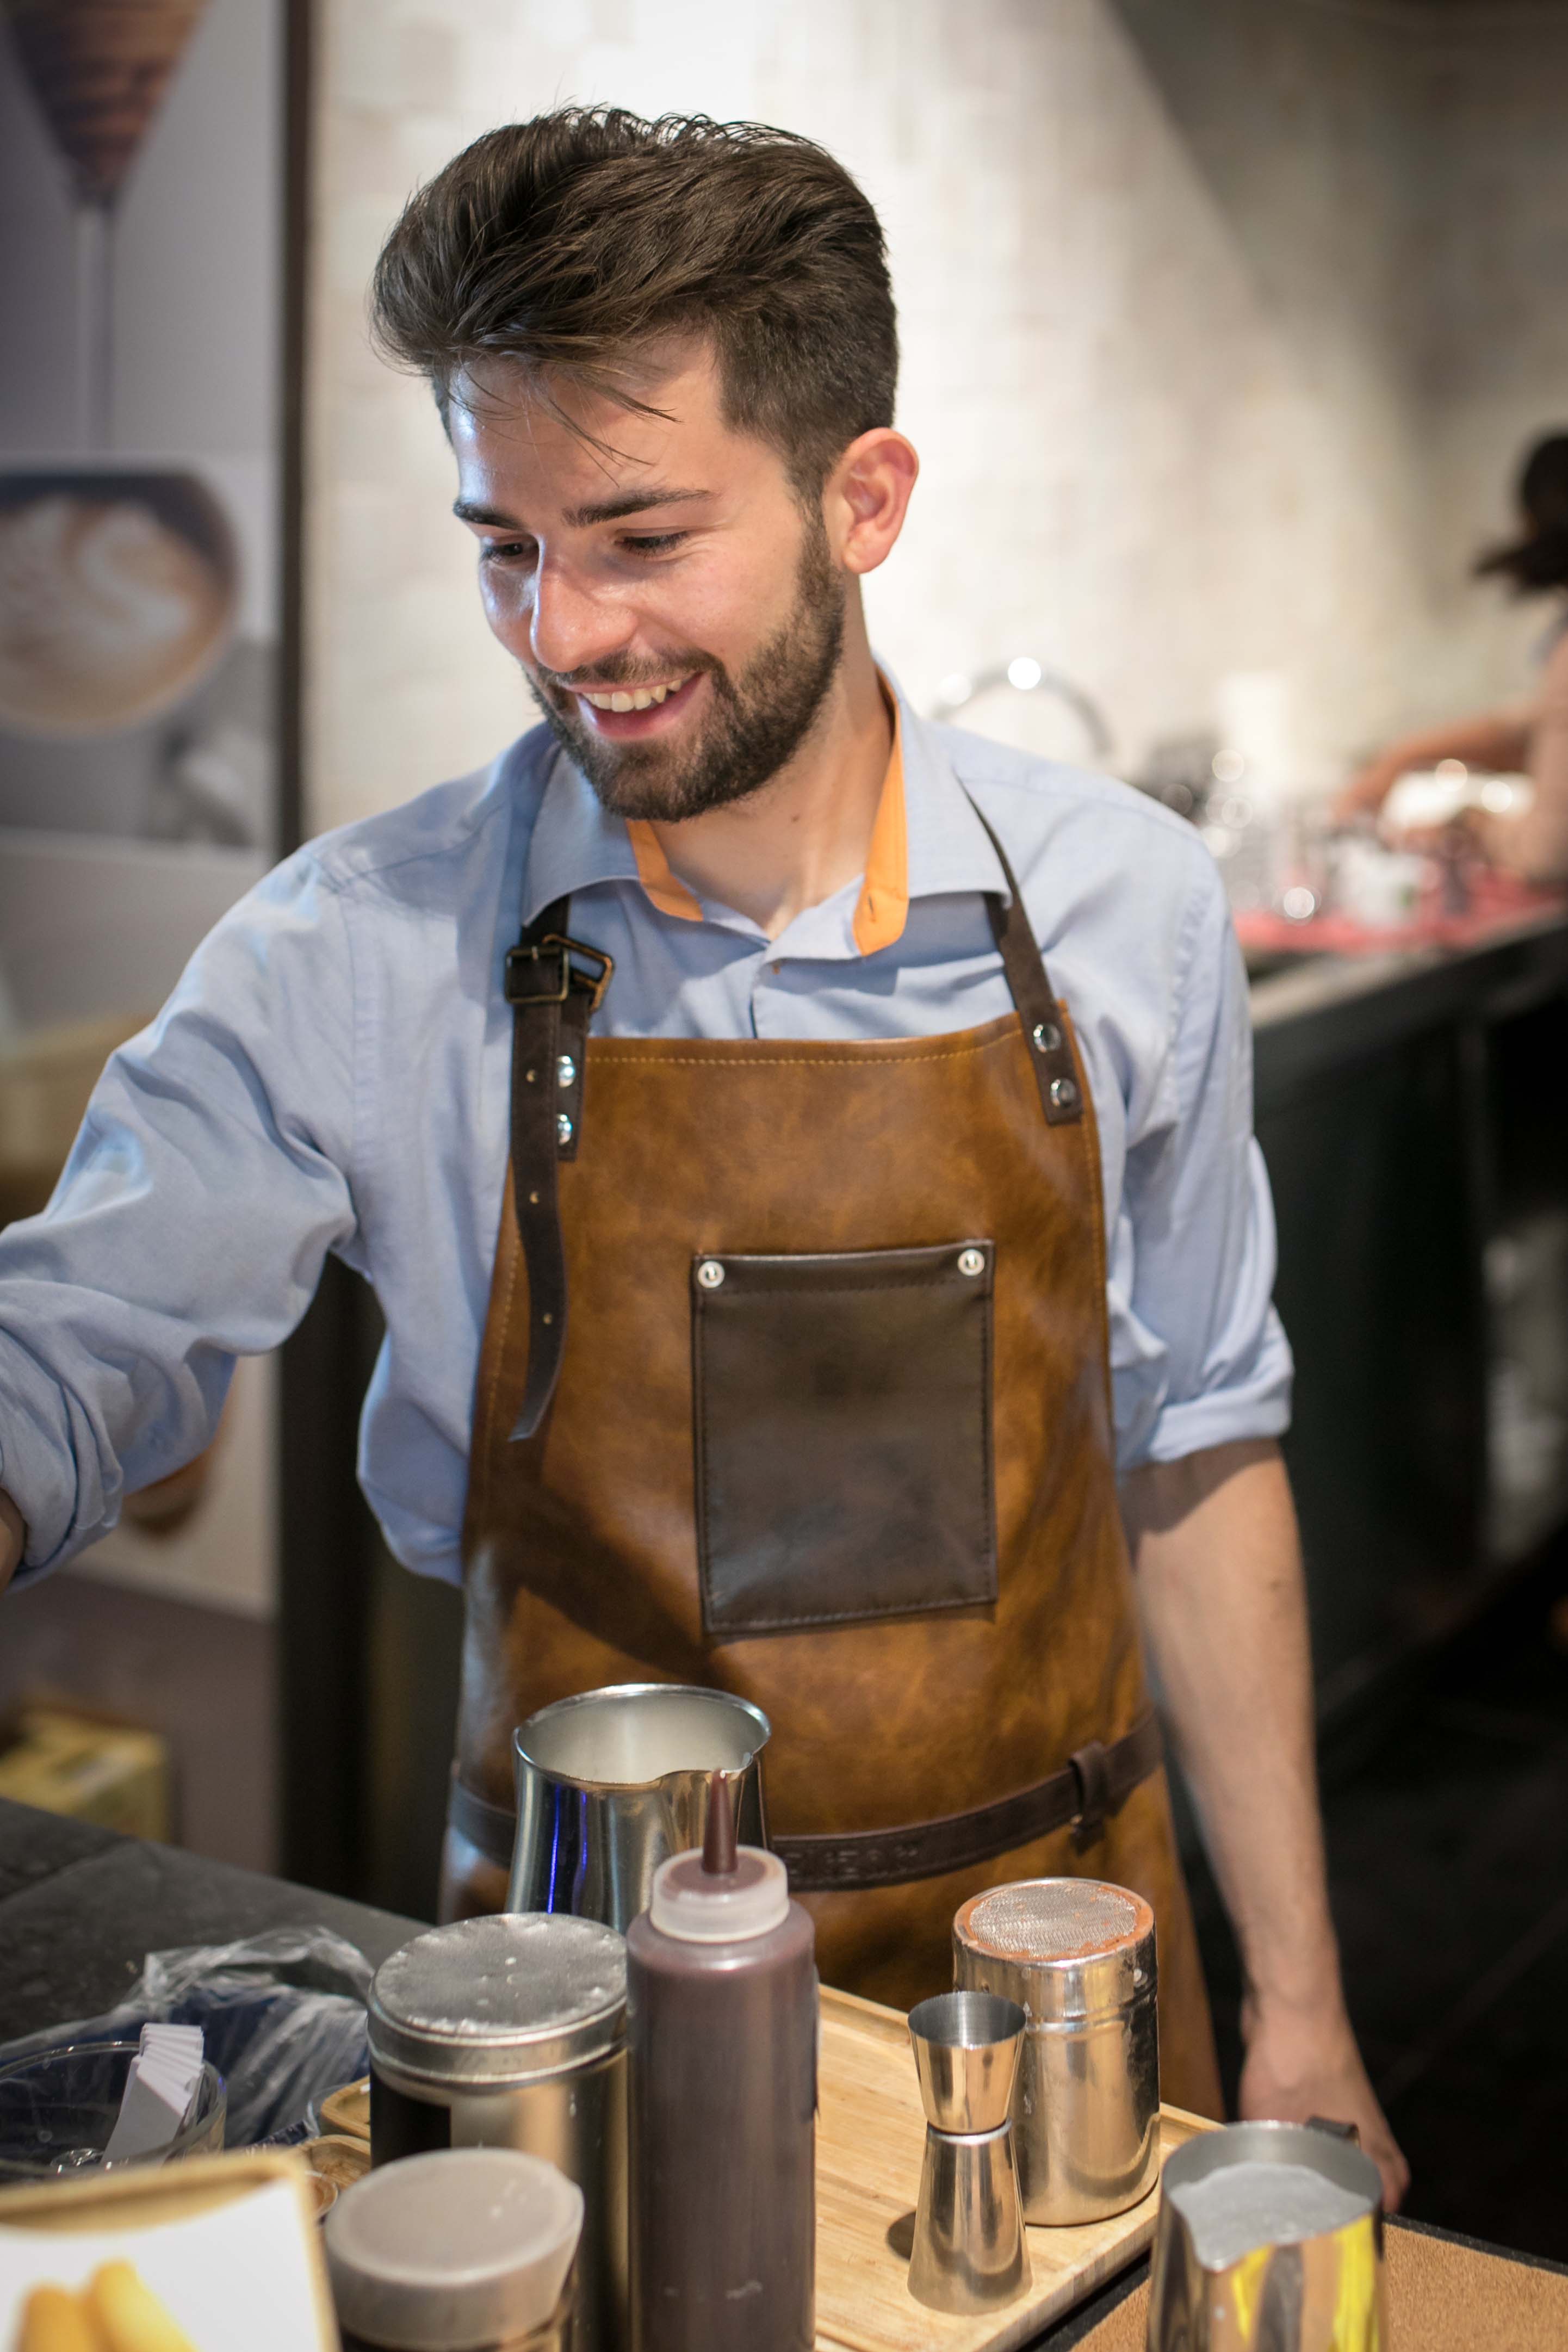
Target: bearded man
point(803, 1155)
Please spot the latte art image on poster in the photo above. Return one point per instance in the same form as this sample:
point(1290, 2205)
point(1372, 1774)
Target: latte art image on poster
point(117, 596)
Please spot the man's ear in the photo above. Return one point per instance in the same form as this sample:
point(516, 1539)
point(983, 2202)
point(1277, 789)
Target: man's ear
point(866, 497)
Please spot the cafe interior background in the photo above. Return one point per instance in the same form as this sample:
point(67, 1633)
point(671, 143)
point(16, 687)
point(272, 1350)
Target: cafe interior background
point(1224, 326)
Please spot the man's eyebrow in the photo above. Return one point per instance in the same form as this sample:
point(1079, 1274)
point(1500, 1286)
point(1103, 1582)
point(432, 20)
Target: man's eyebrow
point(634, 502)
point(466, 511)
point(583, 518)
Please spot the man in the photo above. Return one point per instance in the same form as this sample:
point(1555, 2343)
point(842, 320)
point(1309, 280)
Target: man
point(840, 1257)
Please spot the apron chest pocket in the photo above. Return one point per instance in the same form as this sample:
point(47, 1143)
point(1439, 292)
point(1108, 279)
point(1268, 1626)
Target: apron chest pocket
point(842, 1419)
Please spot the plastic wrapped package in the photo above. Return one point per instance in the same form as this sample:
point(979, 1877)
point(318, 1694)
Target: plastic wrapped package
point(282, 2014)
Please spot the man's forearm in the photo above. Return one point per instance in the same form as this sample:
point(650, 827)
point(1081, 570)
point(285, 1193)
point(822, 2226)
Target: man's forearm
point(1223, 1605)
point(1224, 1614)
point(13, 1538)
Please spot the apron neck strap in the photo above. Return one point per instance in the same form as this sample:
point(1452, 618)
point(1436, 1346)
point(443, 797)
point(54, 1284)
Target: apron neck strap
point(553, 984)
point(1044, 1028)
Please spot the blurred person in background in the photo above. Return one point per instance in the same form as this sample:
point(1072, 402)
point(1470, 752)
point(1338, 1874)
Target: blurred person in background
point(1531, 842)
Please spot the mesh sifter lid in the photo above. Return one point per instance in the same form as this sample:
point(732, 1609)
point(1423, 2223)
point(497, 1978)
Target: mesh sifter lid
point(1055, 1919)
point(1065, 1948)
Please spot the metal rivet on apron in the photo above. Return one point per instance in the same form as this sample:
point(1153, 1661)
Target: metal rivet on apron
point(566, 1071)
point(1047, 1037)
point(1063, 1094)
point(530, 1075)
point(562, 1128)
point(971, 1261)
point(710, 1274)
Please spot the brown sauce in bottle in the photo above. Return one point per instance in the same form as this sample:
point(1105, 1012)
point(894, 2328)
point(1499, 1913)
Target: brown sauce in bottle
point(722, 2041)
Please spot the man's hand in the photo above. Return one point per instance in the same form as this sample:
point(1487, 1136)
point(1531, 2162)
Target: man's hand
point(1300, 2066)
point(1223, 1605)
point(13, 1538)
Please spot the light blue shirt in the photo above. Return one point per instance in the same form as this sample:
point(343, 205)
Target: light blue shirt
point(332, 1073)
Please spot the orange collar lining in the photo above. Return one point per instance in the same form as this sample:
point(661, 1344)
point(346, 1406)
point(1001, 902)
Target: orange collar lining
point(882, 908)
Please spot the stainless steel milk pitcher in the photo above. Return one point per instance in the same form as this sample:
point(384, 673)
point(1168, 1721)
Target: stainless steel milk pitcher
point(1270, 2240)
point(611, 1783)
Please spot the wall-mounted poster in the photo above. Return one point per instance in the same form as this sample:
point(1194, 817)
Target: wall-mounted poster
point(142, 209)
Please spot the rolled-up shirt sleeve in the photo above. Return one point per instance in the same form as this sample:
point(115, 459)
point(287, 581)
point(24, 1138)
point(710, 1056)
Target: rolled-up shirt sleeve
point(1199, 1355)
point(209, 1181)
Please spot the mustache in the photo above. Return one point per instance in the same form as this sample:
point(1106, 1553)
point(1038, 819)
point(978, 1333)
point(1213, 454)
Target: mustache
point(606, 676)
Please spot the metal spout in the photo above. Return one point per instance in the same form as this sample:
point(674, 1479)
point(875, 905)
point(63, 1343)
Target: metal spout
point(612, 1782)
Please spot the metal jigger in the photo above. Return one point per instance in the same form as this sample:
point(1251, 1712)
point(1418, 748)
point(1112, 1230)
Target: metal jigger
point(969, 2252)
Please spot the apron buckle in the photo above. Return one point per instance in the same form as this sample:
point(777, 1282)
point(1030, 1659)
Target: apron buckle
point(529, 979)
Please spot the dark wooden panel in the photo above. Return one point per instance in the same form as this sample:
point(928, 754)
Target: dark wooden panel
point(1375, 1187)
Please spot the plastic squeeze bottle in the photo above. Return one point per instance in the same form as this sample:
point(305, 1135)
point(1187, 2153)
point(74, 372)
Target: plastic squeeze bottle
point(721, 2000)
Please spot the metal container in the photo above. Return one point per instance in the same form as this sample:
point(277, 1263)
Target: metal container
point(968, 2254)
point(612, 1782)
point(511, 2033)
point(1078, 1957)
point(469, 2250)
point(1270, 2240)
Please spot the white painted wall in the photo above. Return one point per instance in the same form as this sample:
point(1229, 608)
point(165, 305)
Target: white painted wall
point(1164, 272)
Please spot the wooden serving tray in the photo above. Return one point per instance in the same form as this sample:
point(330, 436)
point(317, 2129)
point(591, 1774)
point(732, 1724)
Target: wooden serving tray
point(871, 2137)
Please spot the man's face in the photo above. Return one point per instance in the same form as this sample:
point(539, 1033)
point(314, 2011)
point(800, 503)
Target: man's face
point(677, 612)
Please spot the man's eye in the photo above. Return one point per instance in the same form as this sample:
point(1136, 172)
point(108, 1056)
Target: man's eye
point(655, 543)
point(506, 550)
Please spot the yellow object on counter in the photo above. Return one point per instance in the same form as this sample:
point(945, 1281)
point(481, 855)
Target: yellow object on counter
point(115, 2312)
point(103, 1772)
point(129, 2315)
point(57, 2321)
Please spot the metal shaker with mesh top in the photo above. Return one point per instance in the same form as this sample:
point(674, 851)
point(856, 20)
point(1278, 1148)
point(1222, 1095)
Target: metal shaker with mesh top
point(1078, 1957)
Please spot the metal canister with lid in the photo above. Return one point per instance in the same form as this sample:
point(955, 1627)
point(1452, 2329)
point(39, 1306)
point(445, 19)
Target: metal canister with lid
point(511, 2033)
point(1078, 1957)
point(466, 2251)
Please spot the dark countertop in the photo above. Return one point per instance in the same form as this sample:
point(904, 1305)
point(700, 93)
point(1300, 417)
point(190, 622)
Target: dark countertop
point(1322, 1011)
point(81, 1907)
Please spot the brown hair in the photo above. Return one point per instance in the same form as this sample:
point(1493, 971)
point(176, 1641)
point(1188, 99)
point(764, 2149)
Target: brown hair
point(569, 241)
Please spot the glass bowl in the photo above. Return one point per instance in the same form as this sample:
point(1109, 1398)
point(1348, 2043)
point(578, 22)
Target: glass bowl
point(59, 2107)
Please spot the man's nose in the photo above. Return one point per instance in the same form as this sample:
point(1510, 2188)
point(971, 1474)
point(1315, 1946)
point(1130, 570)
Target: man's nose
point(573, 629)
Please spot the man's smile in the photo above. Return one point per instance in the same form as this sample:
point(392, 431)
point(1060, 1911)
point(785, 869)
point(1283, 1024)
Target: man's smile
point(625, 714)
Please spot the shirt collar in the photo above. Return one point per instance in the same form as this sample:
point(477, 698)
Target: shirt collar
point(927, 839)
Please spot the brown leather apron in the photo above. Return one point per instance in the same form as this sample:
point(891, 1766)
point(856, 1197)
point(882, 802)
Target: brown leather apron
point(832, 1431)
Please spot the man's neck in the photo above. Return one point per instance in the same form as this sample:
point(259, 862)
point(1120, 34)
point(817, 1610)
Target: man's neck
point(807, 832)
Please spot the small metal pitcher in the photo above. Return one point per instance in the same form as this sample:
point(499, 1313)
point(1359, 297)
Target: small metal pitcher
point(1300, 2270)
point(610, 1784)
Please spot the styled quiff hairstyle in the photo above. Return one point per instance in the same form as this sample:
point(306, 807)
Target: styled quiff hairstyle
point(569, 243)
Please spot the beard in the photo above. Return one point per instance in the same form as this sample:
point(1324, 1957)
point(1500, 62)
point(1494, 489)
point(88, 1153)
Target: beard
point(757, 722)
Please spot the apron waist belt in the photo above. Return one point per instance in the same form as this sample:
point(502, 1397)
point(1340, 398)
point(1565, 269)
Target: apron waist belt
point(1094, 1783)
